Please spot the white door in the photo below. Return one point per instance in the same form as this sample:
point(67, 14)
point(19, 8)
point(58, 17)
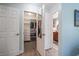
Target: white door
point(9, 31)
point(40, 39)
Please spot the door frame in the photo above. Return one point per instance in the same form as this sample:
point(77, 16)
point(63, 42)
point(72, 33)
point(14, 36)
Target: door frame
point(59, 30)
point(23, 28)
point(22, 21)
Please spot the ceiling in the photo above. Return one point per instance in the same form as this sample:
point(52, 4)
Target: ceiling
point(22, 4)
point(48, 5)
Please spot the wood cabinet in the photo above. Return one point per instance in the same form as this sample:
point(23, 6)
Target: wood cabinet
point(55, 36)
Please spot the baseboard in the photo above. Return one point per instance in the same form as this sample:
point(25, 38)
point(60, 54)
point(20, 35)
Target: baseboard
point(20, 52)
point(39, 53)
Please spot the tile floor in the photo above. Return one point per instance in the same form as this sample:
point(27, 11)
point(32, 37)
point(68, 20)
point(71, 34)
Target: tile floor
point(52, 51)
point(30, 49)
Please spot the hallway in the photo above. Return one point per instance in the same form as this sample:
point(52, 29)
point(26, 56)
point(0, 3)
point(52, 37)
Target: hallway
point(30, 49)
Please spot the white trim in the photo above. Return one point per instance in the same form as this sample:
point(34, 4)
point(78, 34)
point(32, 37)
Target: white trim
point(60, 30)
point(21, 51)
point(59, 10)
point(23, 29)
point(43, 25)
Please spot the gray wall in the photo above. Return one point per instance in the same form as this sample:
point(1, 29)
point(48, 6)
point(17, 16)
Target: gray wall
point(69, 33)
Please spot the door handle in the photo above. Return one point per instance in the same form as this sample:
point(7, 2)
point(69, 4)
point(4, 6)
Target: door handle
point(17, 34)
point(43, 34)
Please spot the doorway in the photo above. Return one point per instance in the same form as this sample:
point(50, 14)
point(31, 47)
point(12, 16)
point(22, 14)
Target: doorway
point(55, 33)
point(30, 33)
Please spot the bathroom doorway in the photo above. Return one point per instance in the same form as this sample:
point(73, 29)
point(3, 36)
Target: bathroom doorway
point(55, 32)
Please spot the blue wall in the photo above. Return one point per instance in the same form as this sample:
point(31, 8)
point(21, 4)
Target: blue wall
point(69, 34)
